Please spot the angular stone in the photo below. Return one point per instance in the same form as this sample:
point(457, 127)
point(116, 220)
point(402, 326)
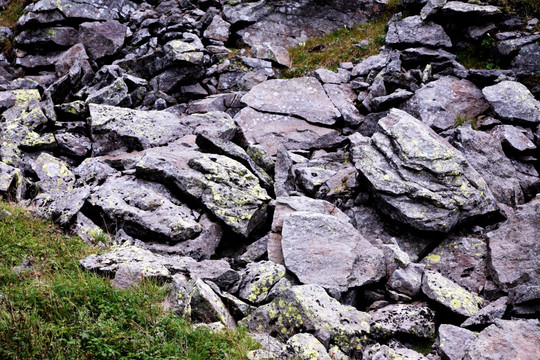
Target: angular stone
point(377, 352)
point(511, 46)
point(302, 97)
point(407, 280)
point(258, 279)
point(486, 155)
point(528, 59)
point(408, 320)
point(441, 102)
point(385, 102)
point(418, 178)
point(488, 314)
point(452, 341)
point(343, 97)
point(246, 11)
point(218, 29)
point(73, 145)
point(326, 76)
point(372, 63)
point(47, 38)
point(181, 52)
point(463, 260)
point(461, 9)
point(513, 138)
point(306, 346)
point(446, 292)
point(412, 31)
point(11, 183)
point(113, 95)
point(505, 95)
point(324, 250)
point(272, 131)
point(267, 51)
point(525, 299)
point(308, 308)
point(145, 210)
point(80, 9)
point(506, 340)
point(55, 178)
point(514, 248)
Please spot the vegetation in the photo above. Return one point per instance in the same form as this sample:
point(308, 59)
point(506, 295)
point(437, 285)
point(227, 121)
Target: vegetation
point(340, 45)
point(522, 7)
point(12, 12)
point(50, 308)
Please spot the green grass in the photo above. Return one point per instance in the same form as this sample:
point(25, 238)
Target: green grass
point(12, 12)
point(339, 46)
point(521, 7)
point(56, 310)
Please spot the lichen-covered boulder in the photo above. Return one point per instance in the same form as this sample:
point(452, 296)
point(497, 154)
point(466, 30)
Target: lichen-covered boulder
point(514, 248)
point(301, 97)
point(409, 320)
point(308, 308)
point(11, 183)
point(327, 251)
point(412, 31)
point(488, 314)
point(446, 292)
point(144, 210)
point(417, 177)
point(307, 347)
point(378, 352)
point(258, 280)
point(504, 96)
point(452, 341)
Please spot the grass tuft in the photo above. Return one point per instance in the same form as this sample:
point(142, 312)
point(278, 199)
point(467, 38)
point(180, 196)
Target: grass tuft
point(50, 308)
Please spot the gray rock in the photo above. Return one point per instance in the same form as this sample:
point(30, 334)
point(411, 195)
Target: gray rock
point(503, 97)
point(511, 46)
point(372, 63)
point(145, 210)
point(513, 138)
point(506, 340)
point(113, 95)
point(386, 102)
point(452, 341)
point(525, 299)
point(446, 292)
point(225, 187)
point(102, 39)
point(54, 176)
point(486, 155)
point(302, 97)
point(412, 57)
point(463, 9)
point(74, 56)
point(440, 103)
point(326, 76)
point(308, 308)
point(11, 183)
point(343, 98)
point(87, 230)
point(271, 131)
point(514, 247)
point(378, 352)
point(258, 279)
point(274, 53)
point(450, 189)
point(256, 250)
point(218, 29)
point(462, 260)
point(180, 52)
point(73, 145)
point(409, 320)
point(246, 11)
point(324, 250)
point(47, 38)
point(488, 314)
point(306, 346)
point(528, 59)
point(412, 31)
point(407, 280)
point(431, 8)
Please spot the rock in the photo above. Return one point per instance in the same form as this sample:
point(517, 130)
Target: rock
point(524, 299)
point(377, 352)
point(463, 9)
point(218, 29)
point(407, 280)
point(446, 292)
point(102, 39)
point(407, 320)
point(528, 59)
point(412, 31)
point(256, 250)
point(462, 260)
point(73, 145)
point(113, 95)
point(47, 38)
point(182, 52)
point(267, 51)
point(326, 76)
point(488, 314)
point(343, 97)
point(225, 187)
point(440, 103)
point(245, 12)
point(513, 139)
point(308, 308)
point(271, 348)
point(258, 279)
point(74, 56)
point(324, 250)
point(145, 210)
point(117, 129)
point(306, 346)
point(514, 247)
point(453, 341)
point(371, 63)
point(54, 176)
point(487, 157)
point(503, 97)
point(271, 131)
point(421, 56)
point(506, 340)
point(293, 97)
point(387, 101)
point(511, 46)
point(450, 189)
point(11, 183)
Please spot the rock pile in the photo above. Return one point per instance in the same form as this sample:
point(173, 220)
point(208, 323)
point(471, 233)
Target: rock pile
point(362, 213)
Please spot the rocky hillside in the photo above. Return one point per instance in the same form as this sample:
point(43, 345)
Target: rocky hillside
point(385, 210)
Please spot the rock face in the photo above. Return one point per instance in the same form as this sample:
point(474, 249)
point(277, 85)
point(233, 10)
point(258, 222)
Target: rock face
point(506, 94)
point(428, 184)
point(412, 31)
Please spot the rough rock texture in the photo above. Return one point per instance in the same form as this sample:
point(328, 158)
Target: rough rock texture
point(413, 31)
point(452, 341)
point(428, 184)
point(409, 320)
point(306, 346)
point(102, 38)
point(503, 97)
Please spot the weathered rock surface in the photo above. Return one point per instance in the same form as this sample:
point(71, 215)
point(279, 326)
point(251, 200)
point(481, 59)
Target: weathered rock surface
point(419, 179)
point(306, 346)
point(409, 320)
point(452, 341)
point(102, 38)
point(503, 97)
point(413, 31)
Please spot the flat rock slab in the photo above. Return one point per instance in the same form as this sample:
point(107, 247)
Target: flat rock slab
point(102, 38)
point(301, 97)
point(458, 8)
point(145, 210)
point(410, 320)
point(327, 251)
point(418, 177)
point(504, 96)
point(514, 248)
point(441, 102)
point(412, 31)
point(308, 308)
point(225, 186)
point(271, 131)
point(446, 292)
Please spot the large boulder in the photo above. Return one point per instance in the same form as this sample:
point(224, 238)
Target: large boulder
point(514, 248)
point(102, 39)
point(418, 178)
point(504, 96)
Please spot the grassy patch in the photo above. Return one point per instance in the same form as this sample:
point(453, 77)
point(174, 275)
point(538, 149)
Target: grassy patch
point(522, 7)
point(12, 12)
point(339, 46)
point(52, 309)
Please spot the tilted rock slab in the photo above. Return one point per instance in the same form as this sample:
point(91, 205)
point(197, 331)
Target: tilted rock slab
point(418, 178)
point(328, 251)
point(514, 102)
point(514, 248)
point(308, 308)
